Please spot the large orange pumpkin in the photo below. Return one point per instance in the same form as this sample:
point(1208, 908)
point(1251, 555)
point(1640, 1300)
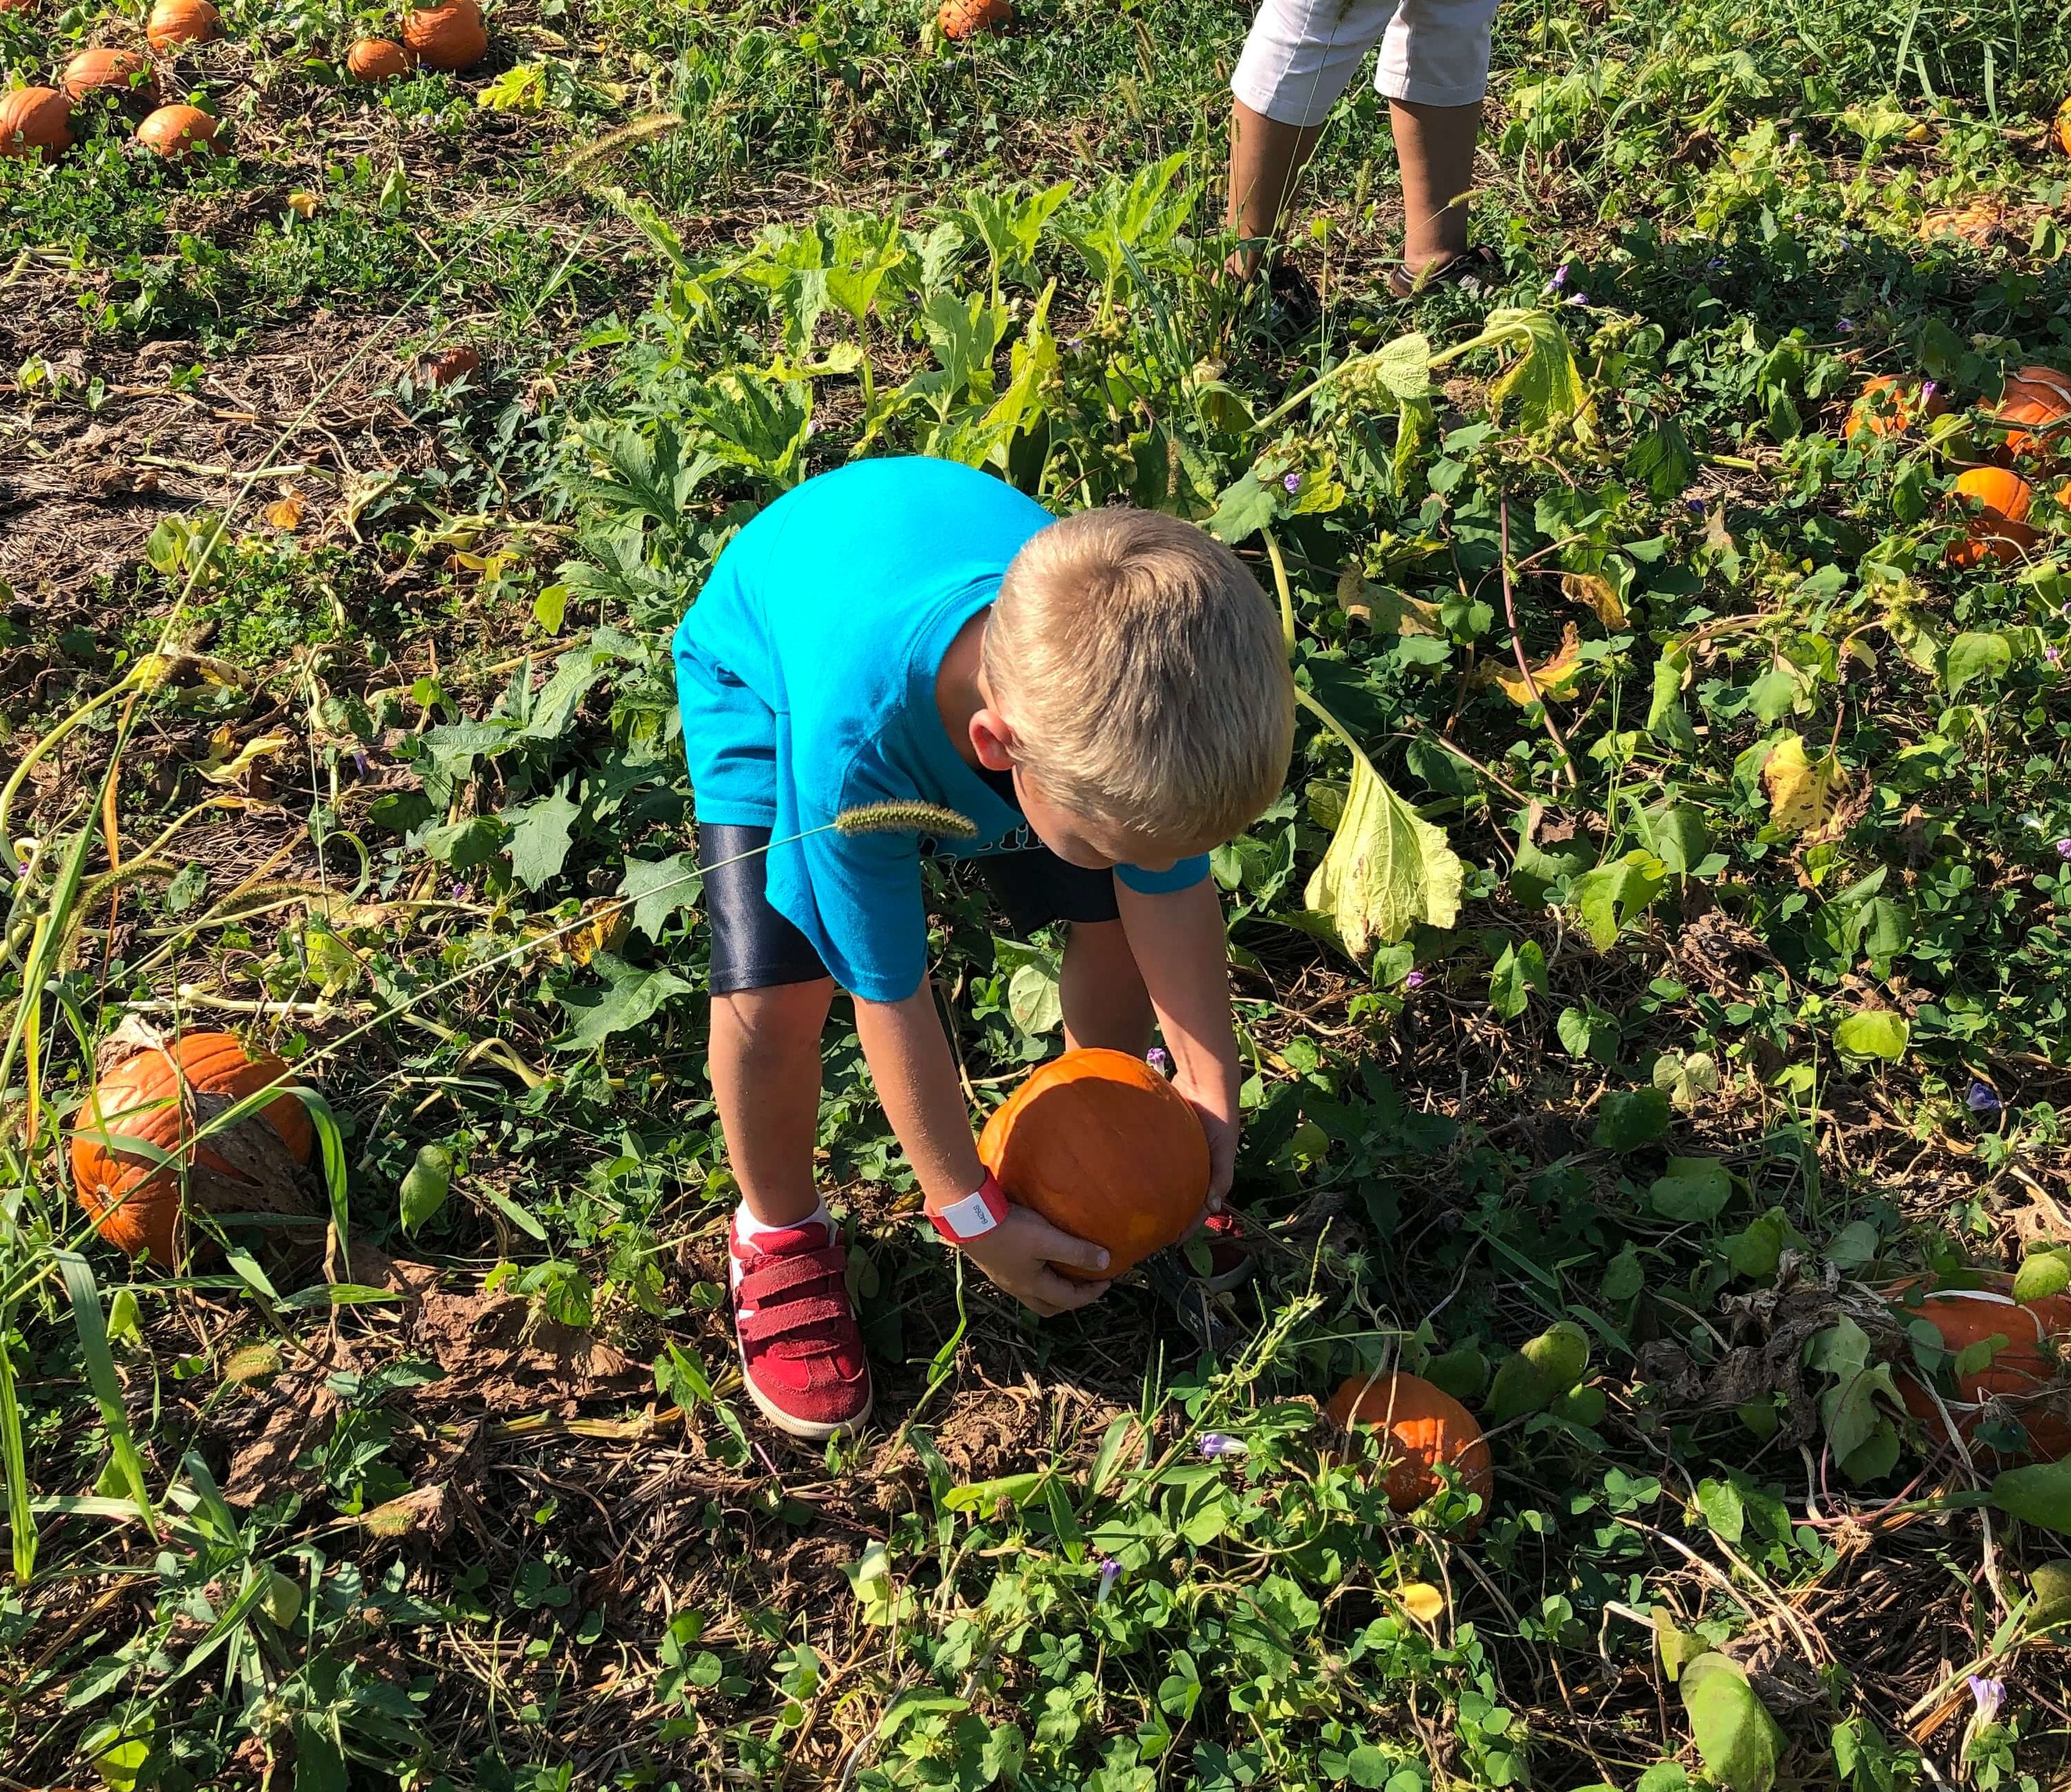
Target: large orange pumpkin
point(124, 74)
point(1428, 1429)
point(176, 21)
point(2038, 401)
point(34, 119)
point(1104, 1148)
point(963, 19)
point(177, 133)
point(1888, 405)
point(377, 58)
point(159, 1093)
point(450, 37)
point(1998, 503)
point(2022, 1370)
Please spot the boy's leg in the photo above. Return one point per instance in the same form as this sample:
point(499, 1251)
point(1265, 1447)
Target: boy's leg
point(765, 1072)
point(1102, 992)
point(801, 1356)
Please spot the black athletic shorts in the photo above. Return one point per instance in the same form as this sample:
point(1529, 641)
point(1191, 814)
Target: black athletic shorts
point(754, 947)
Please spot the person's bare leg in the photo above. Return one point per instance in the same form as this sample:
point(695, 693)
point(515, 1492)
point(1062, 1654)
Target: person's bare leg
point(1266, 157)
point(1434, 147)
point(765, 1072)
point(1104, 1001)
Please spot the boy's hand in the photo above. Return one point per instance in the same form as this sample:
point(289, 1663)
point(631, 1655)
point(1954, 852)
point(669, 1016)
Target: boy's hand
point(1017, 1253)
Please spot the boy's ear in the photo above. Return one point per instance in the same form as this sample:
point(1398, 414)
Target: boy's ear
point(993, 739)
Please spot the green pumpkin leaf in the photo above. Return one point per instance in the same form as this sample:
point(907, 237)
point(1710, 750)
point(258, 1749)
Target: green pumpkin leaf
point(1736, 1739)
point(2039, 1492)
point(1630, 1118)
point(1873, 1033)
point(2046, 1273)
point(1693, 1189)
point(1970, 657)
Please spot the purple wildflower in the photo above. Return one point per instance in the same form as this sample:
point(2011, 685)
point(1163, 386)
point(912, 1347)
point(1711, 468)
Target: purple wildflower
point(2051, 654)
point(1846, 326)
point(1159, 1059)
point(1559, 277)
point(1214, 1443)
point(1413, 980)
point(1796, 137)
point(1693, 506)
point(457, 891)
point(1576, 298)
point(1716, 263)
point(1990, 1696)
point(1982, 1098)
point(360, 761)
point(1928, 389)
point(1293, 481)
point(2063, 850)
point(1110, 1572)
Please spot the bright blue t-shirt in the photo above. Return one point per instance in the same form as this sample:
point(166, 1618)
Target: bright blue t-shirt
point(805, 671)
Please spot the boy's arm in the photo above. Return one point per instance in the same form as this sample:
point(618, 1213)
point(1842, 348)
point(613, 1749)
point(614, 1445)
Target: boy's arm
point(1179, 946)
point(916, 1082)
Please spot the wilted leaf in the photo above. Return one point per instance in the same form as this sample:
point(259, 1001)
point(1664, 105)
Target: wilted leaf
point(1424, 1602)
point(227, 762)
point(1543, 382)
point(1736, 1739)
point(285, 512)
point(1594, 590)
point(1873, 1033)
point(1386, 870)
point(1552, 679)
point(1803, 793)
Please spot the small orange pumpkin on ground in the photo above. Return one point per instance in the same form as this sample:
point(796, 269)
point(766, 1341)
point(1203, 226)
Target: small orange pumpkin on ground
point(1998, 501)
point(158, 1092)
point(176, 21)
point(447, 366)
point(963, 19)
point(124, 74)
point(378, 58)
point(34, 121)
point(1104, 1148)
point(1428, 1428)
point(178, 133)
point(2019, 1371)
point(2038, 400)
point(1890, 406)
point(451, 37)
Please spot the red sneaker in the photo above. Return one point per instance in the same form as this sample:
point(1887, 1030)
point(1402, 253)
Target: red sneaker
point(801, 1351)
point(1232, 1257)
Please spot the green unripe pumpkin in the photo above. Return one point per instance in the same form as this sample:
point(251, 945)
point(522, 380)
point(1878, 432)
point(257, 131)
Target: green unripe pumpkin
point(1560, 1354)
point(1518, 1389)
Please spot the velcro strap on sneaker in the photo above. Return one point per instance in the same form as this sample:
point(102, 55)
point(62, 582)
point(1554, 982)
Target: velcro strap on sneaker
point(776, 1277)
point(766, 1324)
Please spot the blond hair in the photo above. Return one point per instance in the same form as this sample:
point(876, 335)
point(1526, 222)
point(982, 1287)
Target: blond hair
point(1143, 671)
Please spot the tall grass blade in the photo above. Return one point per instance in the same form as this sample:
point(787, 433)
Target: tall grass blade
point(93, 1327)
point(21, 1523)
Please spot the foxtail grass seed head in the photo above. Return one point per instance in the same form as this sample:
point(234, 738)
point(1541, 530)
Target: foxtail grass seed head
point(907, 818)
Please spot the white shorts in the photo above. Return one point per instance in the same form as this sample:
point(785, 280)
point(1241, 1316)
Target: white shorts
point(1302, 54)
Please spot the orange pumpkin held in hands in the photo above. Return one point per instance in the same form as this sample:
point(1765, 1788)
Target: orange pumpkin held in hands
point(2038, 400)
point(1427, 1428)
point(2021, 1371)
point(122, 73)
point(176, 21)
point(1104, 1148)
point(963, 19)
point(1999, 502)
point(1889, 406)
point(158, 1092)
point(451, 37)
point(33, 121)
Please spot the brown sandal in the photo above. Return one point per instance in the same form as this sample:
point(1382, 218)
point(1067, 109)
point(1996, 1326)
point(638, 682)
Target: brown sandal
point(1472, 269)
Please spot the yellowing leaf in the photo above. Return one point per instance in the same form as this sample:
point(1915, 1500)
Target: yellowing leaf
point(1386, 868)
point(1422, 1601)
point(285, 513)
point(522, 89)
point(1543, 382)
point(303, 205)
point(223, 766)
point(604, 929)
point(1803, 793)
point(1554, 678)
point(1384, 608)
point(1594, 590)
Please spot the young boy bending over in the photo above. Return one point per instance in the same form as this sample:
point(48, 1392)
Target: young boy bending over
point(1107, 697)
